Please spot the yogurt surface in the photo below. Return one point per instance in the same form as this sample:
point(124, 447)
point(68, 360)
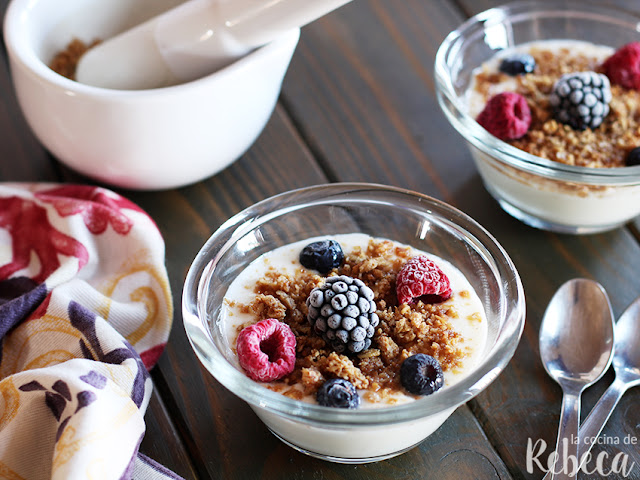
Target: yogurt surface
point(475, 101)
point(470, 322)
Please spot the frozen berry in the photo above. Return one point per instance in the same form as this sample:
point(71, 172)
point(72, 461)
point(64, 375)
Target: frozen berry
point(506, 116)
point(633, 158)
point(322, 256)
point(338, 393)
point(581, 100)
point(342, 311)
point(518, 64)
point(623, 67)
point(421, 276)
point(421, 374)
point(267, 350)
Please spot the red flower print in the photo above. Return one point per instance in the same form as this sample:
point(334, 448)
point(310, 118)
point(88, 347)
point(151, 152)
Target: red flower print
point(97, 208)
point(31, 231)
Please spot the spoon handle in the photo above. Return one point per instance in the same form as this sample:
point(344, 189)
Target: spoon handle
point(564, 467)
point(596, 420)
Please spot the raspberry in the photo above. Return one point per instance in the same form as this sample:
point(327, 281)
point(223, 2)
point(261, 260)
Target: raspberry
point(421, 276)
point(506, 116)
point(338, 393)
point(421, 374)
point(267, 350)
point(623, 67)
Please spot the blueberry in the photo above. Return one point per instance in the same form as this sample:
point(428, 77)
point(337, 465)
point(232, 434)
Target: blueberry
point(322, 256)
point(421, 374)
point(633, 158)
point(338, 393)
point(518, 64)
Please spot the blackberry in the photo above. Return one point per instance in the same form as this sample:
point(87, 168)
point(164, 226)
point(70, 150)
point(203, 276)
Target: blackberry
point(338, 393)
point(518, 64)
point(343, 313)
point(322, 256)
point(421, 374)
point(581, 99)
point(633, 158)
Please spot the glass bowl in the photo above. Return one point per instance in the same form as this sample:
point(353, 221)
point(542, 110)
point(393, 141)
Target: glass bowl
point(363, 435)
point(541, 193)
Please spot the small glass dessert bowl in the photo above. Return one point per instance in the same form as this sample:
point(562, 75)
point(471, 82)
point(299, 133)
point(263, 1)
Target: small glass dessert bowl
point(340, 211)
point(554, 176)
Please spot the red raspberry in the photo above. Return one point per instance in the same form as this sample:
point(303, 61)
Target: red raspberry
point(506, 116)
point(420, 276)
point(623, 67)
point(267, 350)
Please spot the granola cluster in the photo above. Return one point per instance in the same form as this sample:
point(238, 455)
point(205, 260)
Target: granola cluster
point(403, 330)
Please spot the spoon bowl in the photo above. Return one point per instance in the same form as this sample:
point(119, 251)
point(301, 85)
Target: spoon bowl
point(576, 347)
point(626, 360)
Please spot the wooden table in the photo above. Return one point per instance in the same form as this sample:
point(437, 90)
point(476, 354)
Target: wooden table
point(358, 104)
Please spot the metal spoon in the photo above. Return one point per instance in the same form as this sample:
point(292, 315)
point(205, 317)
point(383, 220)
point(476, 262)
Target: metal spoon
point(626, 363)
point(576, 347)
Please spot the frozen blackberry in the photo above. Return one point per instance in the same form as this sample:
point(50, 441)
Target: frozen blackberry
point(518, 64)
point(581, 100)
point(342, 311)
point(338, 393)
point(322, 256)
point(421, 374)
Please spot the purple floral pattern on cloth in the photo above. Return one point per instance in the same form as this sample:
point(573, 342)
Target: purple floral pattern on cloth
point(94, 379)
point(84, 320)
point(19, 297)
point(31, 386)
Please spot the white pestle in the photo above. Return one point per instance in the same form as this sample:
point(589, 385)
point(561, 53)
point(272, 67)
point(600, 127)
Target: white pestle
point(192, 40)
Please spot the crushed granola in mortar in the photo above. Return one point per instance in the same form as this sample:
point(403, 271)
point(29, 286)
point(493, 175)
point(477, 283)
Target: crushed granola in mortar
point(604, 147)
point(403, 330)
point(66, 61)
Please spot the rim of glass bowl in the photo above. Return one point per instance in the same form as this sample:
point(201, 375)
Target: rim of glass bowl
point(454, 108)
point(196, 287)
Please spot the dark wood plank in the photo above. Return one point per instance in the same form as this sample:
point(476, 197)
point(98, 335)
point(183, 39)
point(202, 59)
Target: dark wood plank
point(162, 442)
point(382, 108)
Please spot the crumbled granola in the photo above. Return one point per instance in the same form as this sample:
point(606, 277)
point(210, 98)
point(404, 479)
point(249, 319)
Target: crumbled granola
point(65, 61)
point(604, 147)
point(402, 332)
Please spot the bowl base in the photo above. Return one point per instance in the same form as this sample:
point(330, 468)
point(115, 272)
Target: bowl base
point(348, 461)
point(542, 224)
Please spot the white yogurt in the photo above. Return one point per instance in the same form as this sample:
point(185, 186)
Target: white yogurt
point(543, 202)
point(471, 323)
point(357, 443)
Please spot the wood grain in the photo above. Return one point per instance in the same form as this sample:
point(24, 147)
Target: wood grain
point(358, 104)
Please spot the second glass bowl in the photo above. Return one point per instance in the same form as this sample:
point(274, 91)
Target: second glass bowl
point(540, 192)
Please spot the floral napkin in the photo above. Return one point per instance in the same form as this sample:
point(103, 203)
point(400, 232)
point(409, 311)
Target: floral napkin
point(85, 312)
